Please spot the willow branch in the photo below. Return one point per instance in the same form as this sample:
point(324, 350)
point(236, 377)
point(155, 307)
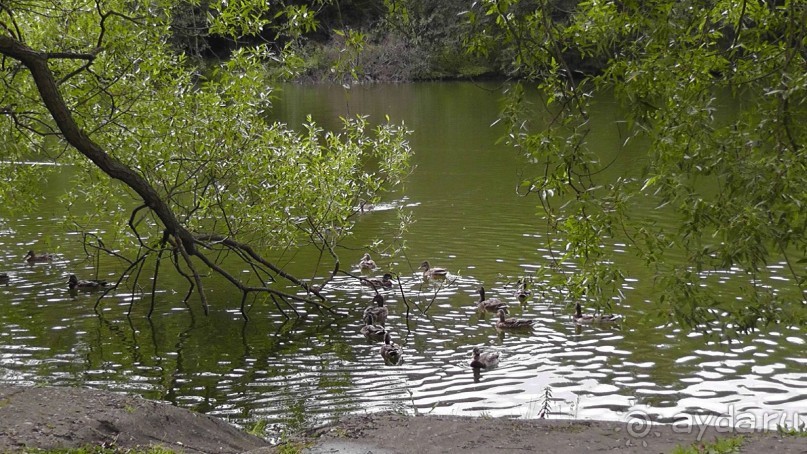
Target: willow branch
point(258, 258)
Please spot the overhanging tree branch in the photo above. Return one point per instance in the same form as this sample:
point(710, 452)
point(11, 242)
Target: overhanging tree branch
point(185, 243)
point(37, 64)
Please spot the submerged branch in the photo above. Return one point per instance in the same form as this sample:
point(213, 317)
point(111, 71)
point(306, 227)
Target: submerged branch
point(196, 278)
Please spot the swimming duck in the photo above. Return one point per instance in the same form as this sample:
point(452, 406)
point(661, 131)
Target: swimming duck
point(378, 312)
point(366, 207)
point(512, 323)
point(429, 272)
point(4, 278)
point(372, 331)
point(484, 360)
point(367, 262)
point(586, 319)
point(521, 292)
point(87, 285)
point(391, 352)
point(490, 305)
point(384, 282)
point(30, 257)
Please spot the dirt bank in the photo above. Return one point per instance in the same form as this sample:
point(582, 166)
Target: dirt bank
point(51, 418)
point(71, 417)
point(391, 433)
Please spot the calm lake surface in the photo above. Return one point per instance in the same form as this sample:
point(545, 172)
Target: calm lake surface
point(468, 219)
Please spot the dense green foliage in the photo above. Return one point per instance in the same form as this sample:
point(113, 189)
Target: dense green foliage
point(208, 172)
point(384, 40)
point(199, 135)
point(737, 182)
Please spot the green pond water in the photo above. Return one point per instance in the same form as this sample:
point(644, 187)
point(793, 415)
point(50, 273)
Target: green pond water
point(467, 218)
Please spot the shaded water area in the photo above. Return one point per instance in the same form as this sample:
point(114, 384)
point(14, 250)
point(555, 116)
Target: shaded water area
point(468, 219)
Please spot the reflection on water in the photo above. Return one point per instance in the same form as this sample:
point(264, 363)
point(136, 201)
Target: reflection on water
point(296, 372)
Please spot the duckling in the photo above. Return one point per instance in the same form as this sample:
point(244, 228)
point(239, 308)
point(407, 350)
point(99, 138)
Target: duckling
point(429, 272)
point(86, 285)
point(484, 360)
point(384, 282)
point(490, 305)
point(30, 257)
point(378, 312)
point(392, 353)
point(372, 331)
point(367, 262)
point(512, 323)
point(586, 319)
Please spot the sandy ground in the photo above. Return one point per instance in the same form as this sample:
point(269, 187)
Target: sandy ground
point(50, 418)
point(391, 433)
point(71, 417)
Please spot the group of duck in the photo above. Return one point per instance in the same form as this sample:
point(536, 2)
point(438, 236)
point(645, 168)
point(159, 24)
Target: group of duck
point(73, 282)
point(500, 307)
point(375, 316)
